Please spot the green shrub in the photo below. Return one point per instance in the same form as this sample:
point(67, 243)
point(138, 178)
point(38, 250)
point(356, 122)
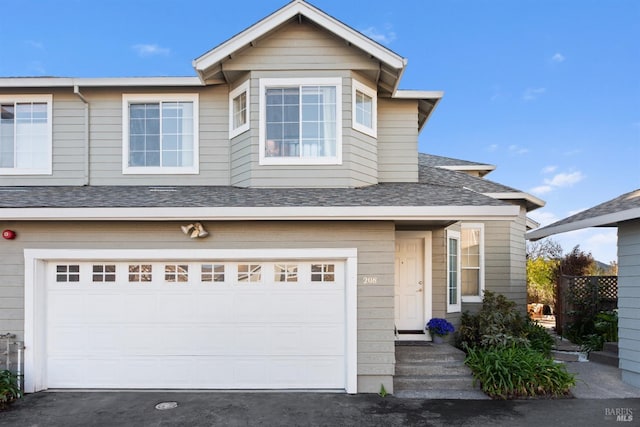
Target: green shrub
point(605, 326)
point(538, 337)
point(515, 372)
point(498, 322)
point(9, 389)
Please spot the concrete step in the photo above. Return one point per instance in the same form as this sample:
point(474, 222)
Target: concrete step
point(611, 347)
point(421, 369)
point(565, 356)
point(440, 382)
point(604, 357)
point(428, 354)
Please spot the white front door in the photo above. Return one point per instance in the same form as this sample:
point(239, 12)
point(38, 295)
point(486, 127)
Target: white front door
point(412, 290)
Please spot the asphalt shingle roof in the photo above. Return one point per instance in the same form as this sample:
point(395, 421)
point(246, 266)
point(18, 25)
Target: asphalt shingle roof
point(435, 161)
point(389, 194)
point(622, 203)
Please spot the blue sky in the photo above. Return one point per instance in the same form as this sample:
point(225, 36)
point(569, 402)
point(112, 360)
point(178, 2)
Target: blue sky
point(547, 90)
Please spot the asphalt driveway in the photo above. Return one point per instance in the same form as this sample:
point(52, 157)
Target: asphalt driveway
point(304, 409)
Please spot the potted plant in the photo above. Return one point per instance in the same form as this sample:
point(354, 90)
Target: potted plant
point(439, 328)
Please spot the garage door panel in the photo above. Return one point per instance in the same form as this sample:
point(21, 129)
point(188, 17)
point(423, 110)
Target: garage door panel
point(103, 307)
point(66, 307)
point(214, 307)
point(176, 307)
point(217, 335)
point(140, 308)
point(67, 340)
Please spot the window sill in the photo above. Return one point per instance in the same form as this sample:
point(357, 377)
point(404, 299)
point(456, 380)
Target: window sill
point(159, 171)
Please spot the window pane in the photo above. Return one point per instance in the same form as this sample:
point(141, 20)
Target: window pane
point(470, 282)
point(161, 134)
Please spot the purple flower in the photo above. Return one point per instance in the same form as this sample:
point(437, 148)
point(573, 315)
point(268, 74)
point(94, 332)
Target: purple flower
point(440, 326)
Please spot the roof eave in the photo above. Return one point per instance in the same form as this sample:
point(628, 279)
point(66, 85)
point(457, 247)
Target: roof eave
point(607, 220)
point(532, 201)
point(329, 213)
point(55, 82)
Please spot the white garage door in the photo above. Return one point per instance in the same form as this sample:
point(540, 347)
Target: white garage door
point(206, 324)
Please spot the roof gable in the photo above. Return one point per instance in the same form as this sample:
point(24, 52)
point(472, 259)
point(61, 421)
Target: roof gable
point(209, 65)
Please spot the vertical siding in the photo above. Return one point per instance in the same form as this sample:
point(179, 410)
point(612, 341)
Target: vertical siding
point(397, 140)
point(629, 300)
point(373, 240)
point(68, 118)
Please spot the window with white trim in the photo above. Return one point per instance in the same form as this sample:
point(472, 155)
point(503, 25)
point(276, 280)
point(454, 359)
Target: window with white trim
point(239, 110)
point(300, 121)
point(453, 272)
point(160, 134)
point(472, 262)
point(364, 108)
point(25, 135)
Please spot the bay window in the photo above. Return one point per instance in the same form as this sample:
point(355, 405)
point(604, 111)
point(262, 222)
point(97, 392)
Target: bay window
point(300, 121)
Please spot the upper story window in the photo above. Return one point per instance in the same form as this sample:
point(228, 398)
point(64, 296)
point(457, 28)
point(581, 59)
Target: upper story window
point(364, 109)
point(25, 135)
point(472, 262)
point(453, 272)
point(160, 134)
point(239, 110)
point(300, 121)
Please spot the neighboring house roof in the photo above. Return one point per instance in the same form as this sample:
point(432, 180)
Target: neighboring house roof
point(431, 172)
point(413, 201)
point(608, 214)
point(456, 164)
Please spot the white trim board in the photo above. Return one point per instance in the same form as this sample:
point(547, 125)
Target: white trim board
point(328, 213)
point(35, 293)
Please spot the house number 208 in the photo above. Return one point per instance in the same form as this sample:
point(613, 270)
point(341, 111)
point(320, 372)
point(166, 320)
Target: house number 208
point(369, 280)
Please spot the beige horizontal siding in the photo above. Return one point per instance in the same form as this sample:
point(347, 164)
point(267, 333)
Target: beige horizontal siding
point(397, 140)
point(300, 46)
point(373, 240)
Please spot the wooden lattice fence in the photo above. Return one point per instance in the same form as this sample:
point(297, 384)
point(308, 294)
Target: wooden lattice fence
point(586, 295)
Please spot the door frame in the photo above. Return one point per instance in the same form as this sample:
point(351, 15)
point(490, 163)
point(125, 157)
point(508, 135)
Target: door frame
point(427, 293)
point(35, 263)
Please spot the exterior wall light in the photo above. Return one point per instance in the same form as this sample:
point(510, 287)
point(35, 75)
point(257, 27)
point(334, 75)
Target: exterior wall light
point(194, 230)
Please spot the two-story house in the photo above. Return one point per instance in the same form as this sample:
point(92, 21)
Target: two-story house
point(265, 224)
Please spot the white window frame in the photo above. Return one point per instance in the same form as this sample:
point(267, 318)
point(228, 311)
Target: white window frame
point(457, 306)
point(38, 99)
point(243, 88)
point(356, 87)
point(129, 98)
point(481, 268)
point(297, 82)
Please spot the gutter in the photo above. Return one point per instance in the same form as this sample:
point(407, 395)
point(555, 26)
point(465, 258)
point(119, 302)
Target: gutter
point(76, 91)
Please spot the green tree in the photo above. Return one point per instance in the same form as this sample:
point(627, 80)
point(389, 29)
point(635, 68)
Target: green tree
point(543, 258)
point(541, 280)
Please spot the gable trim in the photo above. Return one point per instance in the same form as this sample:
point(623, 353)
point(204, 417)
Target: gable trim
point(281, 16)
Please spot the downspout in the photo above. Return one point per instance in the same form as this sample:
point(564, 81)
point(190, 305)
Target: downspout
point(76, 90)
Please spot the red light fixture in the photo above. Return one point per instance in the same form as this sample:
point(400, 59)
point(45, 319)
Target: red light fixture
point(8, 234)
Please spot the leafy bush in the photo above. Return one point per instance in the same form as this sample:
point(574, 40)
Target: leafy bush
point(498, 322)
point(605, 327)
point(9, 390)
point(515, 372)
point(538, 337)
